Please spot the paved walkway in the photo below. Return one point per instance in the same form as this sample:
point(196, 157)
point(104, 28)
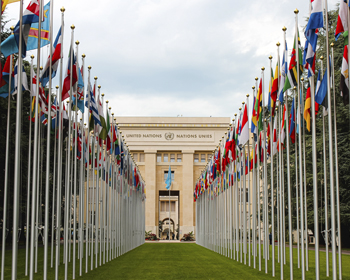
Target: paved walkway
point(170, 241)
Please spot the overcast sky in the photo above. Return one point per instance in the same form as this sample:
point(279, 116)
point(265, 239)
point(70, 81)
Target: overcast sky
point(179, 57)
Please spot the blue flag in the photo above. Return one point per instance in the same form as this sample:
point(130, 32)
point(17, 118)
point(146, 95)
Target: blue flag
point(168, 179)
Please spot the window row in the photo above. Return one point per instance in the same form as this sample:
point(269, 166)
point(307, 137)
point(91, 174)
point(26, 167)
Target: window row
point(164, 206)
point(139, 157)
point(201, 157)
point(164, 157)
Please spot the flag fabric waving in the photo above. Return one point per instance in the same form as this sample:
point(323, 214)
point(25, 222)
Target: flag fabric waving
point(168, 179)
point(344, 77)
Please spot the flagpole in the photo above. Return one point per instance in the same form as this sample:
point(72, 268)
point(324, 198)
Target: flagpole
point(48, 146)
point(249, 189)
point(324, 152)
point(331, 163)
point(254, 194)
point(35, 154)
point(336, 170)
point(29, 167)
point(59, 157)
point(4, 221)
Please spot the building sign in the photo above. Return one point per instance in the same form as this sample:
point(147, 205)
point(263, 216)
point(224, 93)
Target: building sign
point(170, 136)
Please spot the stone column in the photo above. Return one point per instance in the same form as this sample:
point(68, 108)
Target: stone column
point(150, 178)
point(186, 199)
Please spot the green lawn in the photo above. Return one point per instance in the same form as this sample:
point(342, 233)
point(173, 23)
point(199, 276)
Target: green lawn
point(177, 261)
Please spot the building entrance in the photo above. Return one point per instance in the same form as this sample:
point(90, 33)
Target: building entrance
point(169, 215)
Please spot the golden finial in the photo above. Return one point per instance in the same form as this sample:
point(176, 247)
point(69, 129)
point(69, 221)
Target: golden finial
point(77, 42)
point(321, 57)
point(41, 68)
point(270, 57)
point(102, 94)
point(302, 79)
point(276, 108)
point(115, 120)
point(247, 95)
point(235, 114)
point(99, 86)
point(296, 11)
point(240, 108)
point(263, 68)
point(81, 119)
point(253, 87)
point(32, 56)
point(234, 119)
point(89, 67)
point(284, 28)
point(67, 101)
point(57, 87)
point(107, 101)
point(84, 124)
point(332, 45)
point(109, 108)
point(278, 44)
point(225, 134)
point(295, 88)
point(243, 103)
point(72, 26)
point(63, 9)
point(83, 55)
point(95, 77)
point(256, 78)
point(112, 113)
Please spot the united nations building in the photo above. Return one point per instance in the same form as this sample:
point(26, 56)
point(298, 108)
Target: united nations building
point(184, 143)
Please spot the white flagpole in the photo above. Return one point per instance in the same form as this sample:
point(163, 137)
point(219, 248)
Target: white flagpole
point(336, 170)
point(48, 146)
point(34, 182)
point(331, 163)
point(4, 221)
point(249, 189)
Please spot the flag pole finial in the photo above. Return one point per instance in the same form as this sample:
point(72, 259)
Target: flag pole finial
point(63, 9)
point(109, 108)
point(106, 101)
point(77, 42)
point(295, 88)
point(240, 108)
point(247, 95)
point(83, 55)
point(235, 114)
point(321, 57)
point(41, 68)
point(302, 79)
point(32, 56)
point(243, 103)
point(253, 87)
point(256, 78)
point(12, 28)
point(112, 113)
point(72, 26)
point(84, 124)
point(332, 45)
point(102, 94)
point(99, 88)
point(296, 11)
point(57, 87)
point(278, 44)
point(89, 67)
point(95, 77)
point(270, 57)
point(263, 68)
point(284, 28)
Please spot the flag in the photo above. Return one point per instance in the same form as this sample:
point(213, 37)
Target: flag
point(270, 88)
point(284, 70)
point(5, 3)
point(258, 108)
point(315, 21)
point(344, 77)
point(5, 78)
point(292, 123)
point(168, 180)
point(274, 90)
point(32, 42)
point(56, 56)
point(244, 137)
point(274, 143)
point(252, 126)
point(307, 107)
point(291, 80)
point(109, 135)
point(30, 15)
point(66, 82)
point(342, 22)
point(322, 92)
point(283, 133)
point(79, 90)
point(103, 130)
point(24, 79)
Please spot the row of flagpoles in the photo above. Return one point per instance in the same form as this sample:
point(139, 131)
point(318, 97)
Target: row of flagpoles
point(93, 197)
point(240, 204)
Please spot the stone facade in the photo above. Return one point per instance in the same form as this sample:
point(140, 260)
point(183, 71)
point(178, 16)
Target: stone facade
point(184, 143)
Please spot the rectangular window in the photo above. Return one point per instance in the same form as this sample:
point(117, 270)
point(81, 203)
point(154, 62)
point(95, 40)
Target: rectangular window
point(165, 157)
point(202, 157)
point(172, 157)
point(196, 157)
point(166, 175)
point(136, 156)
point(167, 206)
point(142, 157)
point(172, 206)
point(159, 157)
point(179, 157)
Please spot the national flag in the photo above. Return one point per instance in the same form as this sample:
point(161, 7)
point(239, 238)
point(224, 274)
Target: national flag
point(33, 35)
point(274, 143)
point(291, 80)
point(66, 83)
point(258, 108)
point(5, 3)
point(56, 56)
point(292, 123)
point(24, 79)
point(342, 23)
point(79, 90)
point(307, 112)
point(284, 70)
point(270, 88)
point(283, 133)
point(344, 77)
point(5, 77)
point(322, 92)
point(103, 131)
point(274, 90)
point(315, 22)
point(244, 137)
point(252, 126)
point(268, 136)
point(109, 135)
point(30, 15)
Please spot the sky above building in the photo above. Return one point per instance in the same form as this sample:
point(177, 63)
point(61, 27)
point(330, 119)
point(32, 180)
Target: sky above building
point(176, 58)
